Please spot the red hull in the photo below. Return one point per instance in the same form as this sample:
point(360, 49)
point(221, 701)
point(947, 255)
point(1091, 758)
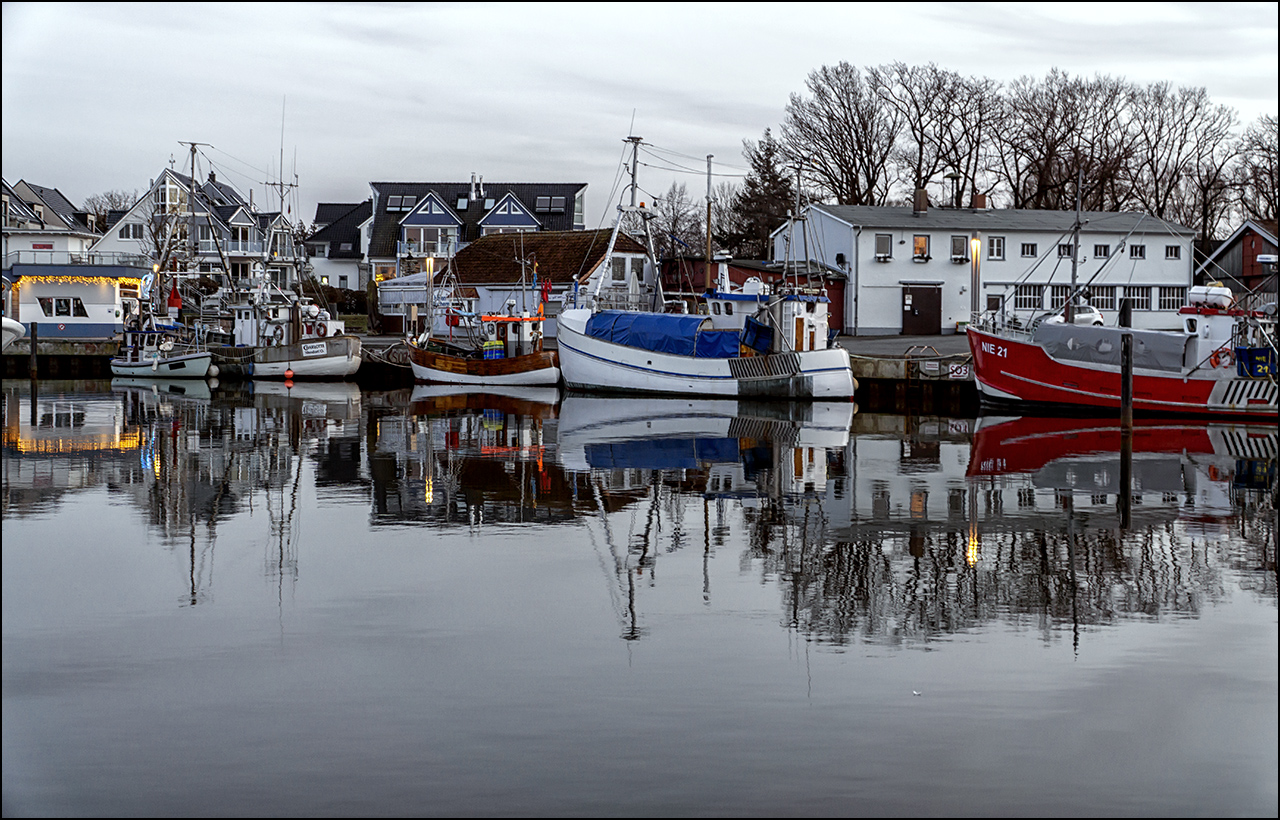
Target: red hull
point(1009, 370)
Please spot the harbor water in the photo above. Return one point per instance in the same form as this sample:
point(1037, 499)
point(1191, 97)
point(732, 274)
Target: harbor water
point(263, 600)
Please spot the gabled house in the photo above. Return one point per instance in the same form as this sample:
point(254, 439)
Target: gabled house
point(416, 221)
point(520, 272)
point(42, 226)
point(1235, 261)
point(231, 238)
point(336, 249)
point(910, 269)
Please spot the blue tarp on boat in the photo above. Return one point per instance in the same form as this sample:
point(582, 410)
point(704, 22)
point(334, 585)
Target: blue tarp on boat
point(662, 453)
point(677, 334)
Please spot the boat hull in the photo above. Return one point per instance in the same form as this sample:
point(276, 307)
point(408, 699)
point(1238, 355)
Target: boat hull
point(13, 330)
point(588, 363)
point(532, 369)
point(185, 366)
point(1017, 372)
point(333, 358)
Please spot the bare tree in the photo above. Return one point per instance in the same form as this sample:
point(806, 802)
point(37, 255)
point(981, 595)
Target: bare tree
point(1174, 131)
point(678, 223)
point(844, 134)
point(100, 205)
point(1206, 197)
point(1255, 177)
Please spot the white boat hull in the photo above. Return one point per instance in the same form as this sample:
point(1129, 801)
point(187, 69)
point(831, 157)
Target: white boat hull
point(185, 366)
point(333, 358)
point(595, 364)
point(13, 330)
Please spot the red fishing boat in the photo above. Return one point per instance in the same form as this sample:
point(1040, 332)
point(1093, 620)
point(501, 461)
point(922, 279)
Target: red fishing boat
point(1222, 362)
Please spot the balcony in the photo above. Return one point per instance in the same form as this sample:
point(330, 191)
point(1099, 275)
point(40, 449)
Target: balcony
point(133, 260)
point(442, 248)
point(232, 248)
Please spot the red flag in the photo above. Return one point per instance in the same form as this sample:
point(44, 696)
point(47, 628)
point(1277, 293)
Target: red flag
point(175, 298)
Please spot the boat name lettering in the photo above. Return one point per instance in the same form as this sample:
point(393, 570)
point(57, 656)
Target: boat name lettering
point(995, 350)
point(314, 349)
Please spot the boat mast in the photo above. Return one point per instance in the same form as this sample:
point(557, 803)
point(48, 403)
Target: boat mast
point(708, 256)
point(1070, 313)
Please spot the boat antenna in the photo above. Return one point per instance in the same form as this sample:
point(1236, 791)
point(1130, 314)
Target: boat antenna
point(708, 257)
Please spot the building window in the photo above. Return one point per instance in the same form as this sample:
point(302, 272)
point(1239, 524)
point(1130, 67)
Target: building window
point(1139, 297)
point(1058, 295)
point(959, 249)
point(1173, 252)
point(488, 204)
point(1102, 251)
point(1172, 298)
point(884, 246)
point(408, 203)
point(1137, 251)
point(995, 247)
point(393, 203)
point(619, 269)
point(557, 204)
point(1028, 297)
point(579, 210)
point(342, 282)
point(462, 203)
point(133, 231)
point(1103, 297)
point(1029, 249)
point(920, 248)
point(344, 246)
point(1066, 250)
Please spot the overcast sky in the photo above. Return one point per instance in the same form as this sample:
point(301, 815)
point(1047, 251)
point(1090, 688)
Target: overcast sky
point(97, 96)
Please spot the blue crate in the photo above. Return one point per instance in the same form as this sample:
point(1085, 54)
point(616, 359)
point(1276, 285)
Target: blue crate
point(1255, 362)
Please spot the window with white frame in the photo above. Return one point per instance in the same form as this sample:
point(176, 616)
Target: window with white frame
point(1103, 297)
point(1066, 250)
point(1058, 295)
point(995, 247)
point(619, 269)
point(1172, 298)
point(1139, 297)
point(462, 203)
point(920, 247)
point(959, 249)
point(1173, 252)
point(133, 231)
point(542, 204)
point(1028, 249)
point(579, 210)
point(884, 246)
point(1137, 251)
point(1102, 251)
point(1028, 297)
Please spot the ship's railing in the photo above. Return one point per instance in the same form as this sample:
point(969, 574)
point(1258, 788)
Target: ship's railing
point(1007, 325)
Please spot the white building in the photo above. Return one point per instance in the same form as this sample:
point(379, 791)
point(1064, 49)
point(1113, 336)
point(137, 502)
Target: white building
point(910, 269)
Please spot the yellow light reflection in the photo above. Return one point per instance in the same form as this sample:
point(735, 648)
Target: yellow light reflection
point(430, 494)
point(974, 548)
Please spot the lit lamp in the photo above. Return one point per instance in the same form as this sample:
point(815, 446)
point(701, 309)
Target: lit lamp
point(975, 253)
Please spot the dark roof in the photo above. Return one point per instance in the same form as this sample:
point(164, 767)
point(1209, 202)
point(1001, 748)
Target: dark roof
point(386, 226)
point(999, 219)
point(329, 212)
point(18, 208)
point(344, 229)
point(221, 193)
point(74, 218)
point(562, 256)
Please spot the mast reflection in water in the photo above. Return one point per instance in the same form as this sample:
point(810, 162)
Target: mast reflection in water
point(419, 598)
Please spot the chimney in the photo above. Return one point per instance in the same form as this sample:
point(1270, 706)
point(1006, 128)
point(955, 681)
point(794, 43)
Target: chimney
point(473, 185)
point(921, 205)
point(481, 187)
point(979, 202)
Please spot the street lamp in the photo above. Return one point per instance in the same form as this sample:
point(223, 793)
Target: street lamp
point(975, 253)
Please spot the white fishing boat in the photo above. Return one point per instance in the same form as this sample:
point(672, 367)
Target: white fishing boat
point(759, 341)
point(279, 335)
point(162, 352)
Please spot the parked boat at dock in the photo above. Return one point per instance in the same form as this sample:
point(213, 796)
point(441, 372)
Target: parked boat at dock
point(279, 335)
point(164, 352)
point(509, 353)
point(1222, 362)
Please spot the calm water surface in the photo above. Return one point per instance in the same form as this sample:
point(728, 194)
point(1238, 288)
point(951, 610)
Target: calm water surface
point(270, 601)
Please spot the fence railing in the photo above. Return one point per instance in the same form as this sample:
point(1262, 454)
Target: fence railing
point(132, 260)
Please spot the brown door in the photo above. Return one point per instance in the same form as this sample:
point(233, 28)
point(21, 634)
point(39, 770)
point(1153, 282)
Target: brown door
point(921, 310)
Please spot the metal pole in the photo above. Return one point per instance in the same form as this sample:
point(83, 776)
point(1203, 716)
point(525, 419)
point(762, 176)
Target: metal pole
point(1070, 313)
point(1126, 380)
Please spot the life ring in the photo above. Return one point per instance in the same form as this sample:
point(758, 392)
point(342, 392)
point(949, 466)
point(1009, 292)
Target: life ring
point(1223, 356)
point(166, 344)
point(321, 330)
point(278, 333)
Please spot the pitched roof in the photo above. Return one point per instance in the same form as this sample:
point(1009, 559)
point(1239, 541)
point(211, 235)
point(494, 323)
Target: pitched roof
point(386, 224)
point(562, 256)
point(998, 219)
point(344, 229)
point(18, 209)
point(329, 212)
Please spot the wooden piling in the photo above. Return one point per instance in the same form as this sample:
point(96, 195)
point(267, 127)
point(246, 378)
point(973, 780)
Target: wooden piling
point(35, 335)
